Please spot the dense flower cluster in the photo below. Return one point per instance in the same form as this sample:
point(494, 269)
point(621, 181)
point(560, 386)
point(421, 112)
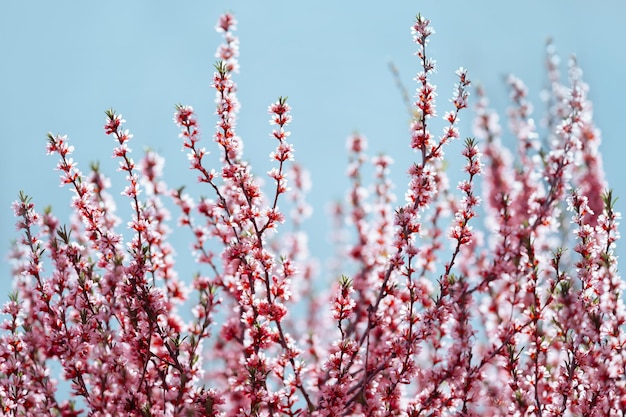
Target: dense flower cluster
point(433, 313)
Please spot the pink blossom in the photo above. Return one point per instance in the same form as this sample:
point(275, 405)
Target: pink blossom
point(501, 296)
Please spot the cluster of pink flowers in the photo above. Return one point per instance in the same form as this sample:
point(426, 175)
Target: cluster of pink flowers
point(430, 312)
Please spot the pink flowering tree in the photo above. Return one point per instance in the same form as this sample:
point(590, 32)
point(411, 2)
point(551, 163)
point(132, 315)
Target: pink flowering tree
point(498, 297)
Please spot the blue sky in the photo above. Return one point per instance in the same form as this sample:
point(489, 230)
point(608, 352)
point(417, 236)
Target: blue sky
point(64, 63)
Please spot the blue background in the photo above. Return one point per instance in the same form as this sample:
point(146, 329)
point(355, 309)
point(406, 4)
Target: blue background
point(64, 63)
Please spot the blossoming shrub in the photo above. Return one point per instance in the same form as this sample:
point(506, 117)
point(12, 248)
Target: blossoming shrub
point(524, 318)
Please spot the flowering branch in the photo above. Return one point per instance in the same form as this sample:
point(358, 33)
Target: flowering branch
point(520, 316)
